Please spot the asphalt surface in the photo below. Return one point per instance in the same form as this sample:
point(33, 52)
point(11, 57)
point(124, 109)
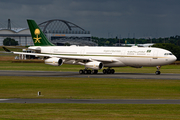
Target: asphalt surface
point(90, 101)
point(99, 75)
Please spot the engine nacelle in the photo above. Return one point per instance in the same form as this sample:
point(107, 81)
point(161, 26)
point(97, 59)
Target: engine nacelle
point(95, 65)
point(54, 61)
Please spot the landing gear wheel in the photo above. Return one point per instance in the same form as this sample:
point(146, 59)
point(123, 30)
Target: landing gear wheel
point(157, 72)
point(108, 71)
point(94, 71)
point(88, 71)
point(112, 71)
point(81, 72)
point(85, 72)
point(104, 71)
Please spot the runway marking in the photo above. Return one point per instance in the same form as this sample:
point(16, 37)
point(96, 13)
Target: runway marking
point(4, 99)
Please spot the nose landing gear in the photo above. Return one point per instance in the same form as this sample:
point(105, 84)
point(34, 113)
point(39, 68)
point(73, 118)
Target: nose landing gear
point(158, 72)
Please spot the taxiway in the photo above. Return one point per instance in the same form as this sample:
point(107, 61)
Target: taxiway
point(99, 75)
point(91, 101)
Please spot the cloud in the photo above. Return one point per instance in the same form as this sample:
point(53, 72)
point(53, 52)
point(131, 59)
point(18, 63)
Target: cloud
point(142, 18)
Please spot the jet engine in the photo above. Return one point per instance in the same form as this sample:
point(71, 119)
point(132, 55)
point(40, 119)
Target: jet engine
point(54, 61)
point(95, 65)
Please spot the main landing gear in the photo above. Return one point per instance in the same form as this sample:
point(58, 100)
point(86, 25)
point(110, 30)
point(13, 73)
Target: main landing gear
point(158, 72)
point(105, 71)
point(108, 71)
point(86, 71)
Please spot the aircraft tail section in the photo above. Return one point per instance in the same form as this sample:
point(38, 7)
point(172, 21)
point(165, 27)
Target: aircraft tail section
point(38, 36)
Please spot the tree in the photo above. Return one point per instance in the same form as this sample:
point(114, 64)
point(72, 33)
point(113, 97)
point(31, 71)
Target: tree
point(10, 42)
point(67, 44)
point(107, 43)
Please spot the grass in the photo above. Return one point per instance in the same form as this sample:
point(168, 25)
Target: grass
point(88, 111)
point(89, 88)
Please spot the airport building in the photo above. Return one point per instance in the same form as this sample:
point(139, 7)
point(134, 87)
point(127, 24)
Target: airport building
point(59, 32)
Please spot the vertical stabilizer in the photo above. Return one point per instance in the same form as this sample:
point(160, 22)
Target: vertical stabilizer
point(38, 36)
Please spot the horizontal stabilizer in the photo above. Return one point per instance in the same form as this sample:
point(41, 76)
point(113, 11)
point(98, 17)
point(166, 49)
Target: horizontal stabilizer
point(7, 50)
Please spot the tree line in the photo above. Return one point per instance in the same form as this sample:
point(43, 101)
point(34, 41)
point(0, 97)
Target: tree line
point(113, 41)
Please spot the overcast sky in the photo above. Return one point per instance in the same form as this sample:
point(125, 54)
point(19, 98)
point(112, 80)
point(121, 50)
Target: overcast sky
point(103, 18)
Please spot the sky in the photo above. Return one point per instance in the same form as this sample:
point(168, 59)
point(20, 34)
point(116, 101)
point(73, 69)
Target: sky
point(103, 18)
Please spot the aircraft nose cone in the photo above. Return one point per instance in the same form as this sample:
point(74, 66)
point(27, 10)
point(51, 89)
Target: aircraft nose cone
point(173, 58)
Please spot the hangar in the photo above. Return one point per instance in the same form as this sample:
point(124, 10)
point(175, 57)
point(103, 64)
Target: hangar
point(59, 32)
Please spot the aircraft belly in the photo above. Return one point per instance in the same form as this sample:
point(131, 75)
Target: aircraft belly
point(159, 62)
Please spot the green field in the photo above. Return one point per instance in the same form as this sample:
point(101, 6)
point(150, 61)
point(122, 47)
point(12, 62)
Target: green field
point(88, 112)
point(88, 88)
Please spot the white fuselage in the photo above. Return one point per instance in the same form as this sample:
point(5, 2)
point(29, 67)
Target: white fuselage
point(121, 56)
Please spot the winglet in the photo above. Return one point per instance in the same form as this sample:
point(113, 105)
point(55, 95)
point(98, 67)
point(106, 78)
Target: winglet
point(7, 50)
point(38, 36)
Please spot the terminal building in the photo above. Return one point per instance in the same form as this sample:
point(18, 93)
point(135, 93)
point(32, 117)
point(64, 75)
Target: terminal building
point(59, 32)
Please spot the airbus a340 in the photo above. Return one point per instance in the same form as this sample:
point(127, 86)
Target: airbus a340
point(96, 58)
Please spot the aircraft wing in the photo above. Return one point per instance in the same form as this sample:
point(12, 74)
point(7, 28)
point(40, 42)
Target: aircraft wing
point(91, 58)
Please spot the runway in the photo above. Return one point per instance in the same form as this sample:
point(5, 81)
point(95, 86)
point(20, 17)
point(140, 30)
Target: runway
point(90, 101)
point(99, 75)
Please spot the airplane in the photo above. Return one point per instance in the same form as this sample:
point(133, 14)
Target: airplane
point(95, 58)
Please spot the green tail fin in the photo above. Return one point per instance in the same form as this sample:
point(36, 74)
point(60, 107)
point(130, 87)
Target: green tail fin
point(38, 37)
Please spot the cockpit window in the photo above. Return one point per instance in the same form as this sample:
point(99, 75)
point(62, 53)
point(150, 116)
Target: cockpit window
point(168, 54)
point(148, 51)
